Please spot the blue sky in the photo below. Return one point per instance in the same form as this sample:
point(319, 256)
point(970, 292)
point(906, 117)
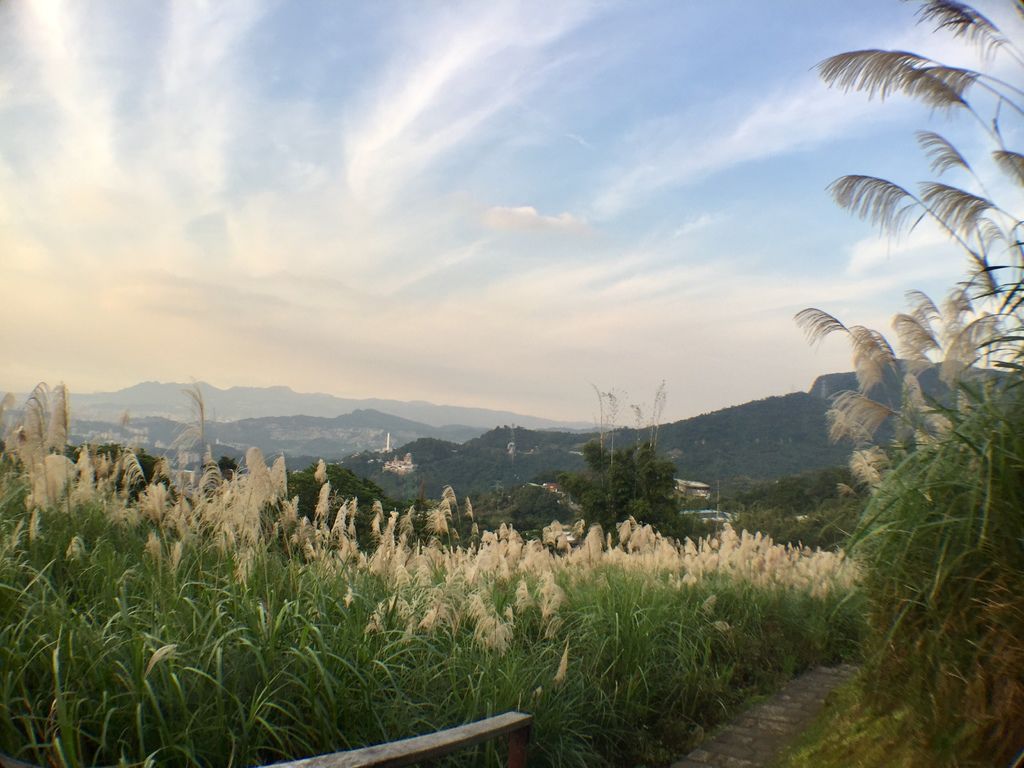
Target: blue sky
point(494, 204)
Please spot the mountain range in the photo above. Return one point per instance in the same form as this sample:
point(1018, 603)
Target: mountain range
point(758, 440)
point(167, 400)
point(729, 448)
point(316, 436)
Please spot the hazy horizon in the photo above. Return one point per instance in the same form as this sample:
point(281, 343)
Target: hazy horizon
point(485, 205)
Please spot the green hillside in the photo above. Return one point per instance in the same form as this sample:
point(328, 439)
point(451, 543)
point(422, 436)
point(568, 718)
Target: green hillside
point(760, 440)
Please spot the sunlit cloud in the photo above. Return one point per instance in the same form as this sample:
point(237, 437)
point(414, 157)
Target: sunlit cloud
point(669, 154)
point(482, 193)
point(526, 218)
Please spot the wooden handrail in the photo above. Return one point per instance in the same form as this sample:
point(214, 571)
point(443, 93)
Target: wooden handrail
point(419, 748)
point(408, 751)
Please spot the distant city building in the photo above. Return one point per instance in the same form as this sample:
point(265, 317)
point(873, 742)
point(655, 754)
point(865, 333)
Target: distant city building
point(402, 466)
point(692, 489)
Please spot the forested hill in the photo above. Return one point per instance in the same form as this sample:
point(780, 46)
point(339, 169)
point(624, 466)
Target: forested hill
point(759, 440)
point(481, 464)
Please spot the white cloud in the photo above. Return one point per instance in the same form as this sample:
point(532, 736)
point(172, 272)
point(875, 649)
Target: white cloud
point(527, 219)
point(697, 224)
point(671, 153)
point(925, 250)
point(465, 69)
point(171, 218)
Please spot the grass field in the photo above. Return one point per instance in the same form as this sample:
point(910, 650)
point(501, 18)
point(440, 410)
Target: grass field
point(217, 627)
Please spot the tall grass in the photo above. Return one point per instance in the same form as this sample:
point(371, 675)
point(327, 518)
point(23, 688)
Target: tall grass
point(942, 543)
point(218, 628)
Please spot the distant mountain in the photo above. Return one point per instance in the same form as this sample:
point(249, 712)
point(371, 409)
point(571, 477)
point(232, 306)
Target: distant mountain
point(759, 440)
point(481, 464)
point(167, 400)
point(890, 389)
point(362, 430)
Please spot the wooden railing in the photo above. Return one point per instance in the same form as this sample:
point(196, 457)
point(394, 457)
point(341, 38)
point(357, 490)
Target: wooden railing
point(408, 751)
point(516, 725)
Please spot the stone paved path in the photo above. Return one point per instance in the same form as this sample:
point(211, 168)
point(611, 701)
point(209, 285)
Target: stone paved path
point(755, 738)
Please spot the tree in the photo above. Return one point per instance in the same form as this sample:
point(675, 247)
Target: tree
point(227, 465)
point(632, 481)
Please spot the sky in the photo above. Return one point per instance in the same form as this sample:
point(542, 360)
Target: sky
point(494, 204)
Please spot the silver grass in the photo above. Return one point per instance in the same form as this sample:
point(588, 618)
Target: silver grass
point(879, 201)
point(154, 547)
point(195, 433)
point(211, 480)
point(448, 495)
point(845, 490)
point(162, 470)
point(406, 527)
point(76, 548)
point(176, 552)
point(958, 209)
point(1012, 164)
point(872, 356)
point(867, 465)
point(657, 408)
point(965, 349)
point(563, 667)
point(989, 235)
point(941, 153)
point(321, 472)
point(923, 309)
point(956, 308)
point(338, 531)
point(323, 508)
point(30, 436)
point(153, 502)
point(158, 655)
point(279, 478)
point(351, 512)
point(916, 339)
point(85, 477)
point(884, 73)
point(60, 419)
point(375, 522)
point(131, 471)
point(593, 545)
point(853, 414)
point(438, 517)
point(963, 21)
point(5, 403)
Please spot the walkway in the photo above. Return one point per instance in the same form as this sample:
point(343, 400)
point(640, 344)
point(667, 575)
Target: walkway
point(759, 734)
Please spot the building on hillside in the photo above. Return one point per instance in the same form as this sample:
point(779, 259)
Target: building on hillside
point(402, 466)
point(692, 489)
point(708, 515)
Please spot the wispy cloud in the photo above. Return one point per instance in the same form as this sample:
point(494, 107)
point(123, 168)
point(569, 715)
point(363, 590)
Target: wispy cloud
point(697, 224)
point(464, 70)
point(159, 186)
point(527, 219)
point(675, 152)
point(924, 251)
